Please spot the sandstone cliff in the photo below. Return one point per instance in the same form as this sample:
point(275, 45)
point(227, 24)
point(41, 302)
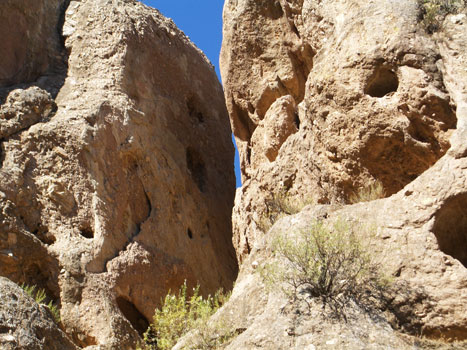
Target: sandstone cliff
point(325, 98)
point(116, 178)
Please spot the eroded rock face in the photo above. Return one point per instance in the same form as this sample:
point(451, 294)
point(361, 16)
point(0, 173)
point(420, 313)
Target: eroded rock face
point(427, 295)
point(24, 324)
point(371, 102)
point(120, 187)
point(326, 97)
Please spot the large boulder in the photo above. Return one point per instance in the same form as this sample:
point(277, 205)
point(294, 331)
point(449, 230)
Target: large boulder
point(26, 325)
point(121, 186)
point(329, 97)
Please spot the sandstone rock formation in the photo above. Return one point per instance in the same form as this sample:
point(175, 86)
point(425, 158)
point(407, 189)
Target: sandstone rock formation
point(115, 163)
point(325, 98)
point(371, 102)
point(26, 325)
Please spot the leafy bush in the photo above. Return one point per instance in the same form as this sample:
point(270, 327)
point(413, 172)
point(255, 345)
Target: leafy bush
point(39, 296)
point(369, 193)
point(329, 263)
point(181, 314)
point(433, 12)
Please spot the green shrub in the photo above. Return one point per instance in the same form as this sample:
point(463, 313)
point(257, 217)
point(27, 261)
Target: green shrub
point(433, 12)
point(181, 314)
point(327, 262)
point(369, 193)
point(39, 296)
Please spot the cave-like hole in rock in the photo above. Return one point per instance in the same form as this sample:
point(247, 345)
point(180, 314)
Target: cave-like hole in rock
point(86, 232)
point(196, 168)
point(133, 315)
point(450, 228)
point(189, 233)
point(297, 121)
point(2, 153)
point(382, 82)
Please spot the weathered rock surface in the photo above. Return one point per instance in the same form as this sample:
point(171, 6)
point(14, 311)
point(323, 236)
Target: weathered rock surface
point(120, 186)
point(371, 100)
point(328, 97)
point(32, 49)
point(26, 325)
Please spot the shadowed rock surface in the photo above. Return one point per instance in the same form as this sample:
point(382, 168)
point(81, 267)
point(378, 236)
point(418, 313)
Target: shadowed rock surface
point(26, 325)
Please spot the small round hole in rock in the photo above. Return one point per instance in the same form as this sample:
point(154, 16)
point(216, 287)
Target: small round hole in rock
point(383, 81)
point(189, 233)
point(86, 232)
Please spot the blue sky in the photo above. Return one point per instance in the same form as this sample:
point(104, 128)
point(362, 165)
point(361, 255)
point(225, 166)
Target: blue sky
point(201, 21)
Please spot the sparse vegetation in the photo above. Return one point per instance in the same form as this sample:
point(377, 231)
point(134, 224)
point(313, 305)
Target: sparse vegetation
point(369, 193)
point(331, 263)
point(212, 335)
point(40, 296)
point(433, 12)
point(181, 314)
point(278, 205)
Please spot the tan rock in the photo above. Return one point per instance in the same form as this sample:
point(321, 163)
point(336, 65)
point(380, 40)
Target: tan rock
point(419, 242)
point(125, 188)
point(377, 99)
point(33, 47)
point(278, 124)
point(24, 324)
point(371, 100)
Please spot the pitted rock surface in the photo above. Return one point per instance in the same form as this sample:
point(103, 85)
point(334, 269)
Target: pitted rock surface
point(116, 184)
point(326, 98)
point(371, 101)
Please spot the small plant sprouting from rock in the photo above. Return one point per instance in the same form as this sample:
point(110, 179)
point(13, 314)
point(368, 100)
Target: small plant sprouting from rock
point(433, 12)
point(39, 296)
point(330, 263)
point(278, 205)
point(181, 314)
point(369, 193)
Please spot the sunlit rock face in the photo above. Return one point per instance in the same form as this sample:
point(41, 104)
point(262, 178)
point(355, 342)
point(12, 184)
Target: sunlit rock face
point(326, 98)
point(116, 178)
